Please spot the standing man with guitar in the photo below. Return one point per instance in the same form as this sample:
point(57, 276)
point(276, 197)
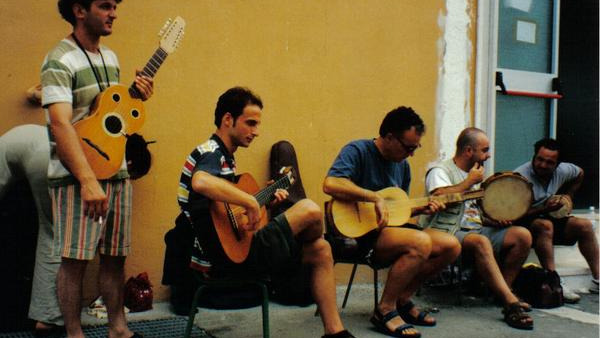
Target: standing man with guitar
point(88, 214)
point(548, 224)
point(361, 170)
point(497, 248)
point(208, 182)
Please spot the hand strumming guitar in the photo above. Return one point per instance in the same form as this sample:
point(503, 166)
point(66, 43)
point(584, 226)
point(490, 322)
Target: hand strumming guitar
point(382, 211)
point(252, 212)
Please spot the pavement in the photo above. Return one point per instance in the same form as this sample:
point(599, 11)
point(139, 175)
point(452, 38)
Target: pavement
point(473, 317)
point(464, 316)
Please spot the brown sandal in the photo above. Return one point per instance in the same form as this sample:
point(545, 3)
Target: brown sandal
point(515, 317)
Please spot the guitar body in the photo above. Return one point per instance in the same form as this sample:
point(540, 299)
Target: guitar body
point(103, 134)
point(228, 220)
point(355, 219)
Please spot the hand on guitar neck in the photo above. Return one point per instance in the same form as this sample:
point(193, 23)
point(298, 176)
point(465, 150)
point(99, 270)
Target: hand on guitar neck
point(144, 85)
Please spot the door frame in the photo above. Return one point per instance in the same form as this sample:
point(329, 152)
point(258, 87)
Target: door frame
point(487, 65)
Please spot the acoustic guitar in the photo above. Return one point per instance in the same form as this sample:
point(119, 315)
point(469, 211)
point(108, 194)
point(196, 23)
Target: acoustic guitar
point(118, 111)
point(229, 219)
point(355, 219)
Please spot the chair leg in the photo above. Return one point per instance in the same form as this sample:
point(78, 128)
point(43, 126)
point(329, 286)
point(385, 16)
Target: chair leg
point(349, 285)
point(375, 287)
point(265, 310)
point(193, 309)
point(460, 280)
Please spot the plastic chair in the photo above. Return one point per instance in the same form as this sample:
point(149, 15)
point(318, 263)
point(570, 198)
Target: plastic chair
point(345, 250)
point(205, 283)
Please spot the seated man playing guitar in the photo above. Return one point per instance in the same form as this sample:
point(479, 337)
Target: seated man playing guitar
point(206, 189)
point(361, 170)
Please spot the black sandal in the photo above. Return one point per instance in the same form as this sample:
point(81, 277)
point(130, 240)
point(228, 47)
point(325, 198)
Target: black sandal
point(404, 312)
point(341, 334)
point(515, 317)
point(380, 320)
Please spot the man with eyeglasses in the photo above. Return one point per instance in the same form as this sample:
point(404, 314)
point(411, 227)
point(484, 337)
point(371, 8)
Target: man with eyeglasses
point(497, 249)
point(360, 171)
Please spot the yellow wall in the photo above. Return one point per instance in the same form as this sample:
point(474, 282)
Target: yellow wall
point(327, 71)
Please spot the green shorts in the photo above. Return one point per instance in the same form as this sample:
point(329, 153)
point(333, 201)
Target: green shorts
point(77, 236)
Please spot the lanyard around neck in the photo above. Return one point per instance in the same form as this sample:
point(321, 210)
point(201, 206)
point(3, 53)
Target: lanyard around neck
point(94, 70)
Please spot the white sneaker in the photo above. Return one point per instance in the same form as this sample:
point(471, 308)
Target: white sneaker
point(568, 295)
point(594, 287)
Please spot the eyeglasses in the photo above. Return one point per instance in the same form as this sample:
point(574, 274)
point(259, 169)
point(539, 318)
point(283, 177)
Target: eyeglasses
point(409, 149)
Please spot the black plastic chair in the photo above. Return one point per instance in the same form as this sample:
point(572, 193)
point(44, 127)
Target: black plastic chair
point(237, 283)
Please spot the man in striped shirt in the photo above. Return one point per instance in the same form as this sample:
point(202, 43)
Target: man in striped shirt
point(88, 214)
point(294, 237)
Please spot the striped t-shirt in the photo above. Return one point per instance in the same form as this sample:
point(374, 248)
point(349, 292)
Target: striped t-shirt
point(212, 157)
point(67, 76)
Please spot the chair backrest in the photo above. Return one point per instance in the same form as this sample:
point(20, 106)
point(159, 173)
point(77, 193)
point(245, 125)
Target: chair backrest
point(344, 249)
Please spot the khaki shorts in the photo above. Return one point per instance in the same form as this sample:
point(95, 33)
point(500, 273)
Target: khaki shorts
point(77, 236)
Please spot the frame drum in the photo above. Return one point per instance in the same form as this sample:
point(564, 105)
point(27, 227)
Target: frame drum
point(566, 208)
point(507, 196)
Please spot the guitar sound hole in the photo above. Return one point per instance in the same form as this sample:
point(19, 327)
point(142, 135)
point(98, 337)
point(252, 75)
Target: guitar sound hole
point(116, 97)
point(113, 125)
point(135, 113)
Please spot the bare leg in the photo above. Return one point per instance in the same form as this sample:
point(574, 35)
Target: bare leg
point(111, 282)
point(305, 218)
point(481, 250)
point(543, 231)
point(69, 284)
point(407, 249)
point(516, 246)
point(445, 250)
point(582, 230)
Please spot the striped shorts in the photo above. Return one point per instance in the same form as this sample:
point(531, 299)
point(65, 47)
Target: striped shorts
point(77, 236)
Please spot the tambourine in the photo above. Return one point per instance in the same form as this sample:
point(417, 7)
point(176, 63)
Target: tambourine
point(565, 210)
point(507, 196)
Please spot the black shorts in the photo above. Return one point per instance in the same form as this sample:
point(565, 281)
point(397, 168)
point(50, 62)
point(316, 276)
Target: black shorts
point(559, 225)
point(273, 248)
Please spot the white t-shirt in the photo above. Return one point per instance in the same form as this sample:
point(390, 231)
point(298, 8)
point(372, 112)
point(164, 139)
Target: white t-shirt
point(438, 178)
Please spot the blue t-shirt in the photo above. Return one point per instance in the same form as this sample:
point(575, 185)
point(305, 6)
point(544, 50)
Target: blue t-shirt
point(565, 172)
point(361, 162)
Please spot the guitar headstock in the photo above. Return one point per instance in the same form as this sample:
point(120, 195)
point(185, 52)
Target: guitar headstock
point(289, 172)
point(171, 34)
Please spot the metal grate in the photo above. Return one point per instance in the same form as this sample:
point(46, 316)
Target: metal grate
point(161, 328)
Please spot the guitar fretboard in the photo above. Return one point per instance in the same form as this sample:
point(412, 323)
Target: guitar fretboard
point(150, 69)
point(447, 198)
point(265, 195)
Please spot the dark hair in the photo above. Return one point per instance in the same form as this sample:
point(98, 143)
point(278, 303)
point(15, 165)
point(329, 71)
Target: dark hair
point(65, 7)
point(233, 101)
point(399, 120)
point(548, 143)
point(466, 138)
point(139, 158)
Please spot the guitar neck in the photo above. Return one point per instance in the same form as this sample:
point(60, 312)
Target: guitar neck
point(447, 198)
point(266, 195)
point(150, 69)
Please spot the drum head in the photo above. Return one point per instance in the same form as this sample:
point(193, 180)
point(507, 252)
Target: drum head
point(507, 197)
point(566, 208)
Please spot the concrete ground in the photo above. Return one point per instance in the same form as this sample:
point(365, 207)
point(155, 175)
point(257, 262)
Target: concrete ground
point(474, 317)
